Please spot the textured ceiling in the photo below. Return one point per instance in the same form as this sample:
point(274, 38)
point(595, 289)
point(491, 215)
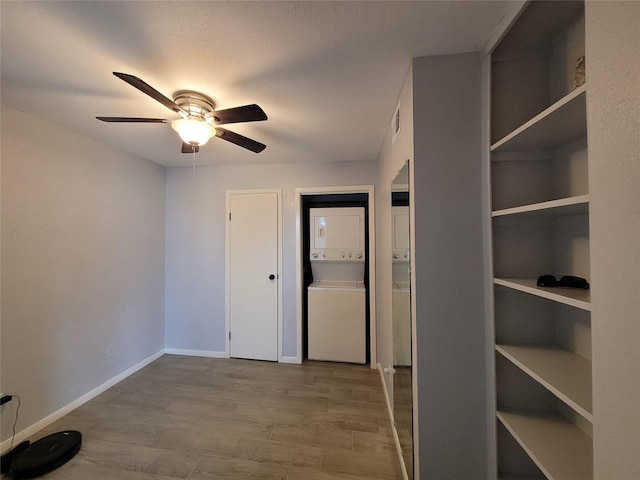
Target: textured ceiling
point(328, 74)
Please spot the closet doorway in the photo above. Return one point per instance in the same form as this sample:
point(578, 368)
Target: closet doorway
point(333, 197)
point(253, 265)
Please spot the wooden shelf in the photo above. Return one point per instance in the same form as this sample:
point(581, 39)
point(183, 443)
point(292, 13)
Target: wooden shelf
point(565, 374)
point(563, 206)
point(561, 123)
point(574, 297)
point(560, 449)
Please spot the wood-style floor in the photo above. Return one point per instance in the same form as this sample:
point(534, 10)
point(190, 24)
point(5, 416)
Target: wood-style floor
point(204, 419)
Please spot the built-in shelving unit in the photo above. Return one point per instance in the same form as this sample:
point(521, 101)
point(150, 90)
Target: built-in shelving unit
point(540, 215)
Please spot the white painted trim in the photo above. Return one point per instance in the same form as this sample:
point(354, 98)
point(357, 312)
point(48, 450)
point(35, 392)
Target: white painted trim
point(290, 360)
point(386, 397)
point(368, 189)
point(299, 280)
point(487, 239)
point(392, 421)
point(227, 313)
point(415, 411)
point(373, 336)
point(58, 414)
point(280, 279)
point(196, 353)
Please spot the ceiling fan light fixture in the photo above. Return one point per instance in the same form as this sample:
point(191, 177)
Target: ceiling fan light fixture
point(199, 117)
point(192, 131)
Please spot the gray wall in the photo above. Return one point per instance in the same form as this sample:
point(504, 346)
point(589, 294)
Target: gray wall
point(82, 264)
point(195, 254)
point(448, 259)
point(613, 109)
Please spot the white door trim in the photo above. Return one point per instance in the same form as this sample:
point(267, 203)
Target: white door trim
point(369, 189)
point(228, 193)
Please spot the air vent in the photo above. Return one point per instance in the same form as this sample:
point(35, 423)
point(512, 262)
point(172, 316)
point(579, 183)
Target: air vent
point(395, 125)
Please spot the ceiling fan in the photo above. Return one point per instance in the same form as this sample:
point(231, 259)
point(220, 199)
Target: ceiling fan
point(199, 118)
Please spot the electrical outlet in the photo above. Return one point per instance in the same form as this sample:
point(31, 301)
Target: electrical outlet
point(111, 351)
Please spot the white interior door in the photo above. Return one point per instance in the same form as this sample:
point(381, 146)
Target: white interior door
point(252, 274)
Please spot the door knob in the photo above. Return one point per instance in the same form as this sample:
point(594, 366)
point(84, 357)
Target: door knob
point(272, 277)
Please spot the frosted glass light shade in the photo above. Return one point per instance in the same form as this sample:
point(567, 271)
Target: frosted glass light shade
point(193, 132)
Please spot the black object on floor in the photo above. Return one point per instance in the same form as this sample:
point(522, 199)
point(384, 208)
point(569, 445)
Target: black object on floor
point(46, 454)
point(566, 281)
point(7, 458)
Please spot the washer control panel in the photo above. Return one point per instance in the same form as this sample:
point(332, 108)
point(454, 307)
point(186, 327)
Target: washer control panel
point(337, 256)
point(401, 256)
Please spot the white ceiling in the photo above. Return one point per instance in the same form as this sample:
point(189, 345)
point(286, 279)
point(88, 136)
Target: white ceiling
point(328, 74)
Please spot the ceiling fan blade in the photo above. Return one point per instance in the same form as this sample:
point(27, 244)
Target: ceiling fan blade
point(240, 140)
point(152, 92)
point(133, 120)
point(186, 148)
point(246, 113)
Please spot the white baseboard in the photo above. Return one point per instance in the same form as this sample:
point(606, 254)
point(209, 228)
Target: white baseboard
point(48, 420)
point(290, 360)
point(396, 439)
point(195, 353)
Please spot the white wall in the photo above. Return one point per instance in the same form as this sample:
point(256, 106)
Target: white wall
point(613, 103)
point(448, 258)
point(392, 158)
point(195, 254)
point(82, 264)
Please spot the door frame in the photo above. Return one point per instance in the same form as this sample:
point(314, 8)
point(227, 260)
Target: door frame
point(227, 308)
point(368, 189)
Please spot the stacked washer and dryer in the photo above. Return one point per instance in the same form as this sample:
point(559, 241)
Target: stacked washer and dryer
point(337, 297)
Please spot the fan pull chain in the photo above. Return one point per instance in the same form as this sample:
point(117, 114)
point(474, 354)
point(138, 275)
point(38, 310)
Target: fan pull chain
point(194, 167)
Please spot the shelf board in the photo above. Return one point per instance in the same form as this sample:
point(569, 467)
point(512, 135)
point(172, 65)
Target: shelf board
point(563, 206)
point(560, 449)
point(563, 373)
point(574, 297)
point(561, 123)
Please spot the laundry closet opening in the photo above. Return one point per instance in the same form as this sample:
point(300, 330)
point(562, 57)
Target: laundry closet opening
point(335, 272)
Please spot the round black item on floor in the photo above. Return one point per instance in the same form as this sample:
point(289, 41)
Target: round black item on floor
point(46, 455)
